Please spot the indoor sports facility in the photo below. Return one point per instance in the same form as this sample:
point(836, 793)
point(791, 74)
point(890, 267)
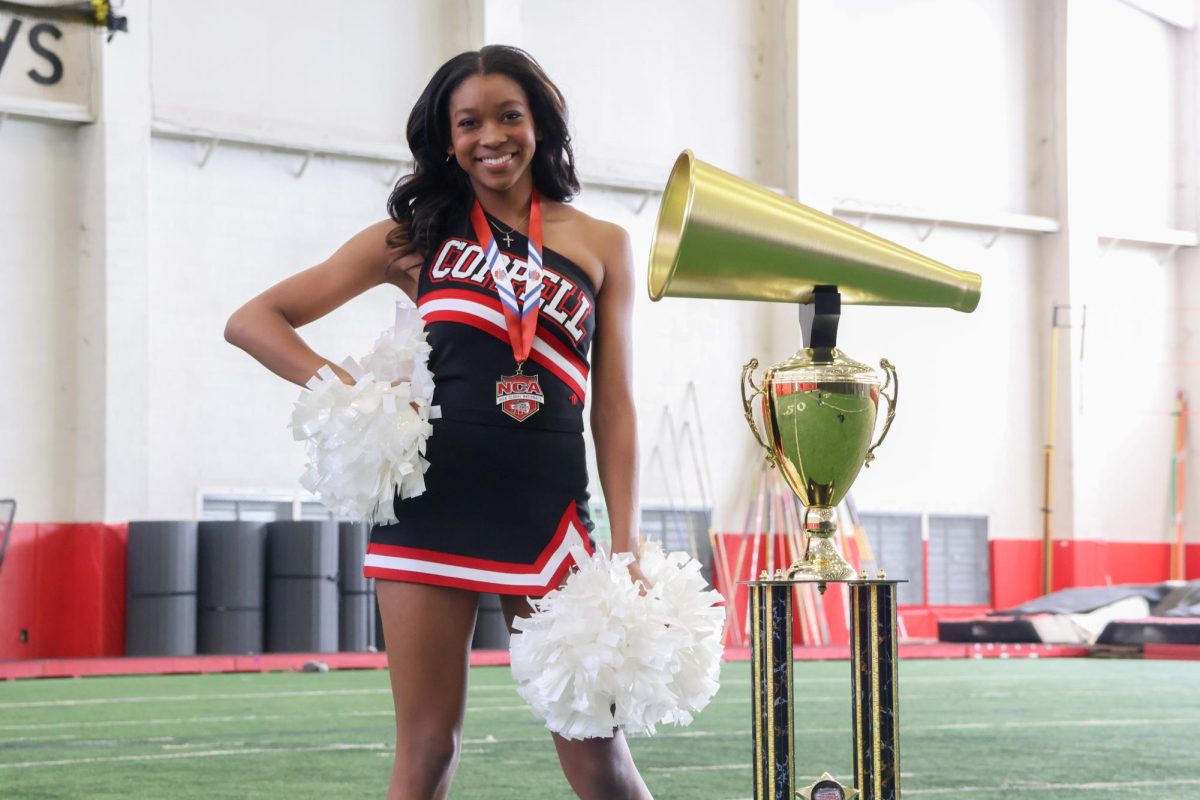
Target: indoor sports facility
point(915, 351)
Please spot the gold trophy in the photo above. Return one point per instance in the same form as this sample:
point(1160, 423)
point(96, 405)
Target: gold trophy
point(719, 236)
point(819, 408)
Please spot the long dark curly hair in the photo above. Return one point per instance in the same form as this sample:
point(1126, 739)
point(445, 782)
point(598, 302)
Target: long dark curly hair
point(437, 192)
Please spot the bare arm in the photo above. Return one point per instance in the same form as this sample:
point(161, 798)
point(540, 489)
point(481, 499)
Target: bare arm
point(614, 421)
point(265, 327)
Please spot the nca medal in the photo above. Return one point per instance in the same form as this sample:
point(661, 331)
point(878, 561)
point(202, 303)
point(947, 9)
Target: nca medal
point(519, 396)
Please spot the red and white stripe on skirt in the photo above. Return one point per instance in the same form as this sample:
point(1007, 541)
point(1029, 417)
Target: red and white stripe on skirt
point(392, 562)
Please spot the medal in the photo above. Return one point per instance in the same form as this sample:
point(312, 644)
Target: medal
point(518, 395)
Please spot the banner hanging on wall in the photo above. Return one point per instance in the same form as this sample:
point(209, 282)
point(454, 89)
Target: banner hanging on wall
point(46, 66)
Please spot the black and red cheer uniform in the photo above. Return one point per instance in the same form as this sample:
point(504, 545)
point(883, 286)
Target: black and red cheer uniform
point(506, 490)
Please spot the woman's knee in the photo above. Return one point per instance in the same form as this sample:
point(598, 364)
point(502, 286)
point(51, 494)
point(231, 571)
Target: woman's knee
point(428, 759)
point(604, 777)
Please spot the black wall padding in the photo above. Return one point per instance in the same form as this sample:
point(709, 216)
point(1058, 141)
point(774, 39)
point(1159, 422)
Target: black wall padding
point(490, 631)
point(356, 621)
point(232, 568)
point(160, 589)
point(997, 630)
point(302, 587)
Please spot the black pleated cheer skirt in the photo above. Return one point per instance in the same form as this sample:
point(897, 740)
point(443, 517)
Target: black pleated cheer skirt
point(502, 508)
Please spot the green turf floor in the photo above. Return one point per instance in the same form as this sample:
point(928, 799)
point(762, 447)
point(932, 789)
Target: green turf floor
point(984, 730)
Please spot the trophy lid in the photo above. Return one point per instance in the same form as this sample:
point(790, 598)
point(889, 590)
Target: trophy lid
point(824, 365)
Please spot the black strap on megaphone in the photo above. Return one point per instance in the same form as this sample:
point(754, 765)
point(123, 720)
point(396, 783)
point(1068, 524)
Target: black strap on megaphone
point(819, 322)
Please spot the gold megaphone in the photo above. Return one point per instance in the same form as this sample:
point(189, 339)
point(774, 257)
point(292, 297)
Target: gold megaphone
point(720, 236)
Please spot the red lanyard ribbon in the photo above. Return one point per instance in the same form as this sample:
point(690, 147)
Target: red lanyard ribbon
point(520, 311)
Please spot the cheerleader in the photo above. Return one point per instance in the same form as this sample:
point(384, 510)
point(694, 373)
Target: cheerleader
point(527, 304)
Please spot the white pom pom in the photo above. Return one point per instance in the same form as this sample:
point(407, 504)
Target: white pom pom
point(598, 654)
point(366, 441)
point(699, 612)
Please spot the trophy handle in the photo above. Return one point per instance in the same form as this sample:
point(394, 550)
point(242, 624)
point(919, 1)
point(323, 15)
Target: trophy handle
point(890, 379)
point(748, 378)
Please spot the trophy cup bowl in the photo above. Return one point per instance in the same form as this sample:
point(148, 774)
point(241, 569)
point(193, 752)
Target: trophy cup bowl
point(819, 410)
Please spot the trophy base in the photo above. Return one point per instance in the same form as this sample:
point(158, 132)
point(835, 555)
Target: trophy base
point(827, 788)
point(822, 562)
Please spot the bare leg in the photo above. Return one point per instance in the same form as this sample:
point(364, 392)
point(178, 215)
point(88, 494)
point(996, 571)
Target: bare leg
point(597, 769)
point(427, 630)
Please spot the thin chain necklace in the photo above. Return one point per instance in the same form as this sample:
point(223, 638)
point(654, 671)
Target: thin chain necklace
point(506, 234)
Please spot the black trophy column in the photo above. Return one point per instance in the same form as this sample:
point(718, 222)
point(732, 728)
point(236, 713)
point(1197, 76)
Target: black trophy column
point(873, 676)
point(771, 666)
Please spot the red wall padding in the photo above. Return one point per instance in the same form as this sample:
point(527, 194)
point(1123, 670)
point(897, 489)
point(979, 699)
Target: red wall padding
point(1017, 566)
point(18, 582)
point(1016, 571)
point(63, 586)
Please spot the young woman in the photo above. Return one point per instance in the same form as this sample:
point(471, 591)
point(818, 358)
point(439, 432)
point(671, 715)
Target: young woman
point(515, 288)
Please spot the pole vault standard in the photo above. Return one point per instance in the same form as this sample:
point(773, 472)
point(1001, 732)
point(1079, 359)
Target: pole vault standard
point(1058, 321)
point(1178, 551)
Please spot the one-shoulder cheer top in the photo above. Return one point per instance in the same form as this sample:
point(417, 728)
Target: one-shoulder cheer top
point(506, 491)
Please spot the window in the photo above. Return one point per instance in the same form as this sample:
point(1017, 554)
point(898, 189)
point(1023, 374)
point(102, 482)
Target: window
point(681, 529)
point(896, 544)
point(959, 565)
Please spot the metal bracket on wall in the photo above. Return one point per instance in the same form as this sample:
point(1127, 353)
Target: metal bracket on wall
point(210, 147)
point(308, 154)
point(1169, 254)
point(394, 174)
point(927, 231)
point(993, 237)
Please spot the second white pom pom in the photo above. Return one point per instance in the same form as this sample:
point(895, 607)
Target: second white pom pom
point(598, 653)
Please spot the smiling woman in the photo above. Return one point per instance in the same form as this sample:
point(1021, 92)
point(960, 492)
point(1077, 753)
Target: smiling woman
point(515, 288)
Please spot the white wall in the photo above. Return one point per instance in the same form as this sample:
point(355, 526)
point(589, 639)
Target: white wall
point(333, 72)
point(920, 102)
point(221, 235)
point(1124, 431)
point(39, 240)
point(1125, 361)
point(1136, 125)
point(646, 80)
